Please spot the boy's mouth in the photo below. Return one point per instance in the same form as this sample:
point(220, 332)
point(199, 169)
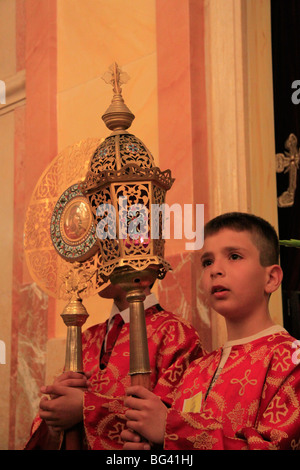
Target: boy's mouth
point(216, 289)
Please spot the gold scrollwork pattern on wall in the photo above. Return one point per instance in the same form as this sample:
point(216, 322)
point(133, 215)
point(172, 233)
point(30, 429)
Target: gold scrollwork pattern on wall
point(53, 274)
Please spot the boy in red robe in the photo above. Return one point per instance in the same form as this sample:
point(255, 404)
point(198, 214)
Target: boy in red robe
point(95, 400)
point(245, 395)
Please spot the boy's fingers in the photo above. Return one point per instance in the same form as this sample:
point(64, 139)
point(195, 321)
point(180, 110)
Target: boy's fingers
point(69, 375)
point(133, 402)
point(138, 391)
point(81, 382)
point(89, 373)
point(130, 436)
point(133, 415)
point(136, 446)
point(54, 389)
point(48, 417)
point(134, 425)
point(44, 404)
point(70, 379)
point(45, 410)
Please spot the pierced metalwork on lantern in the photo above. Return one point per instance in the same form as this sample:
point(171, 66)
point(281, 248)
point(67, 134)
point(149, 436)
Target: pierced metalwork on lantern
point(125, 190)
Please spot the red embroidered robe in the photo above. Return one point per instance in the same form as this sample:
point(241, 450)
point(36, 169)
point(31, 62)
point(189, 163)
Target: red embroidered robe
point(172, 343)
point(254, 403)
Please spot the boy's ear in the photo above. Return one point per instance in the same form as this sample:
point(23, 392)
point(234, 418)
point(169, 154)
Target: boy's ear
point(274, 278)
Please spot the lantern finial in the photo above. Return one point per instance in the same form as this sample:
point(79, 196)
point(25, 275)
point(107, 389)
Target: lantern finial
point(117, 117)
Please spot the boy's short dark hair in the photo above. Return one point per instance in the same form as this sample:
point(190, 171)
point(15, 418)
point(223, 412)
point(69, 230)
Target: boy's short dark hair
point(264, 235)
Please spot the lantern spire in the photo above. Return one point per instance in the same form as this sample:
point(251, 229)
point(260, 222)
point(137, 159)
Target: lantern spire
point(123, 184)
point(117, 117)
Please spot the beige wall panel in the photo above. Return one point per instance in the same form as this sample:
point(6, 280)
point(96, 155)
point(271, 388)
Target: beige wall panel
point(80, 108)
point(7, 140)
point(7, 38)
point(94, 33)
point(91, 36)
point(261, 113)
point(226, 107)
point(262, 172)
point(240, 117)
point(7, 130)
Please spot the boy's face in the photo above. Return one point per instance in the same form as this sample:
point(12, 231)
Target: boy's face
point(233, 278)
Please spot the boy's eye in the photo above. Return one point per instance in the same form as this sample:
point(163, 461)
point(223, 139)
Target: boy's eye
point(235, 256)
point(206, 262)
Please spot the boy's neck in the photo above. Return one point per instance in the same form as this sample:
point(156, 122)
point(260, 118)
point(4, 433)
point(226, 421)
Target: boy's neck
point(247, 327)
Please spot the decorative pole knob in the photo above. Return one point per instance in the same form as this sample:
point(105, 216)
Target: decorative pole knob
point(74, 316)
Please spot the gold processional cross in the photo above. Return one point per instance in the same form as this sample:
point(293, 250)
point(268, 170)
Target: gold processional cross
point(288, 163)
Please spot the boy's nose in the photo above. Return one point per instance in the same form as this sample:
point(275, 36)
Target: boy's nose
point(216, 274)
point(217, 270)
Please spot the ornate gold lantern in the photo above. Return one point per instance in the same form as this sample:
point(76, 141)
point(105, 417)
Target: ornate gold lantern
point(126, 192)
